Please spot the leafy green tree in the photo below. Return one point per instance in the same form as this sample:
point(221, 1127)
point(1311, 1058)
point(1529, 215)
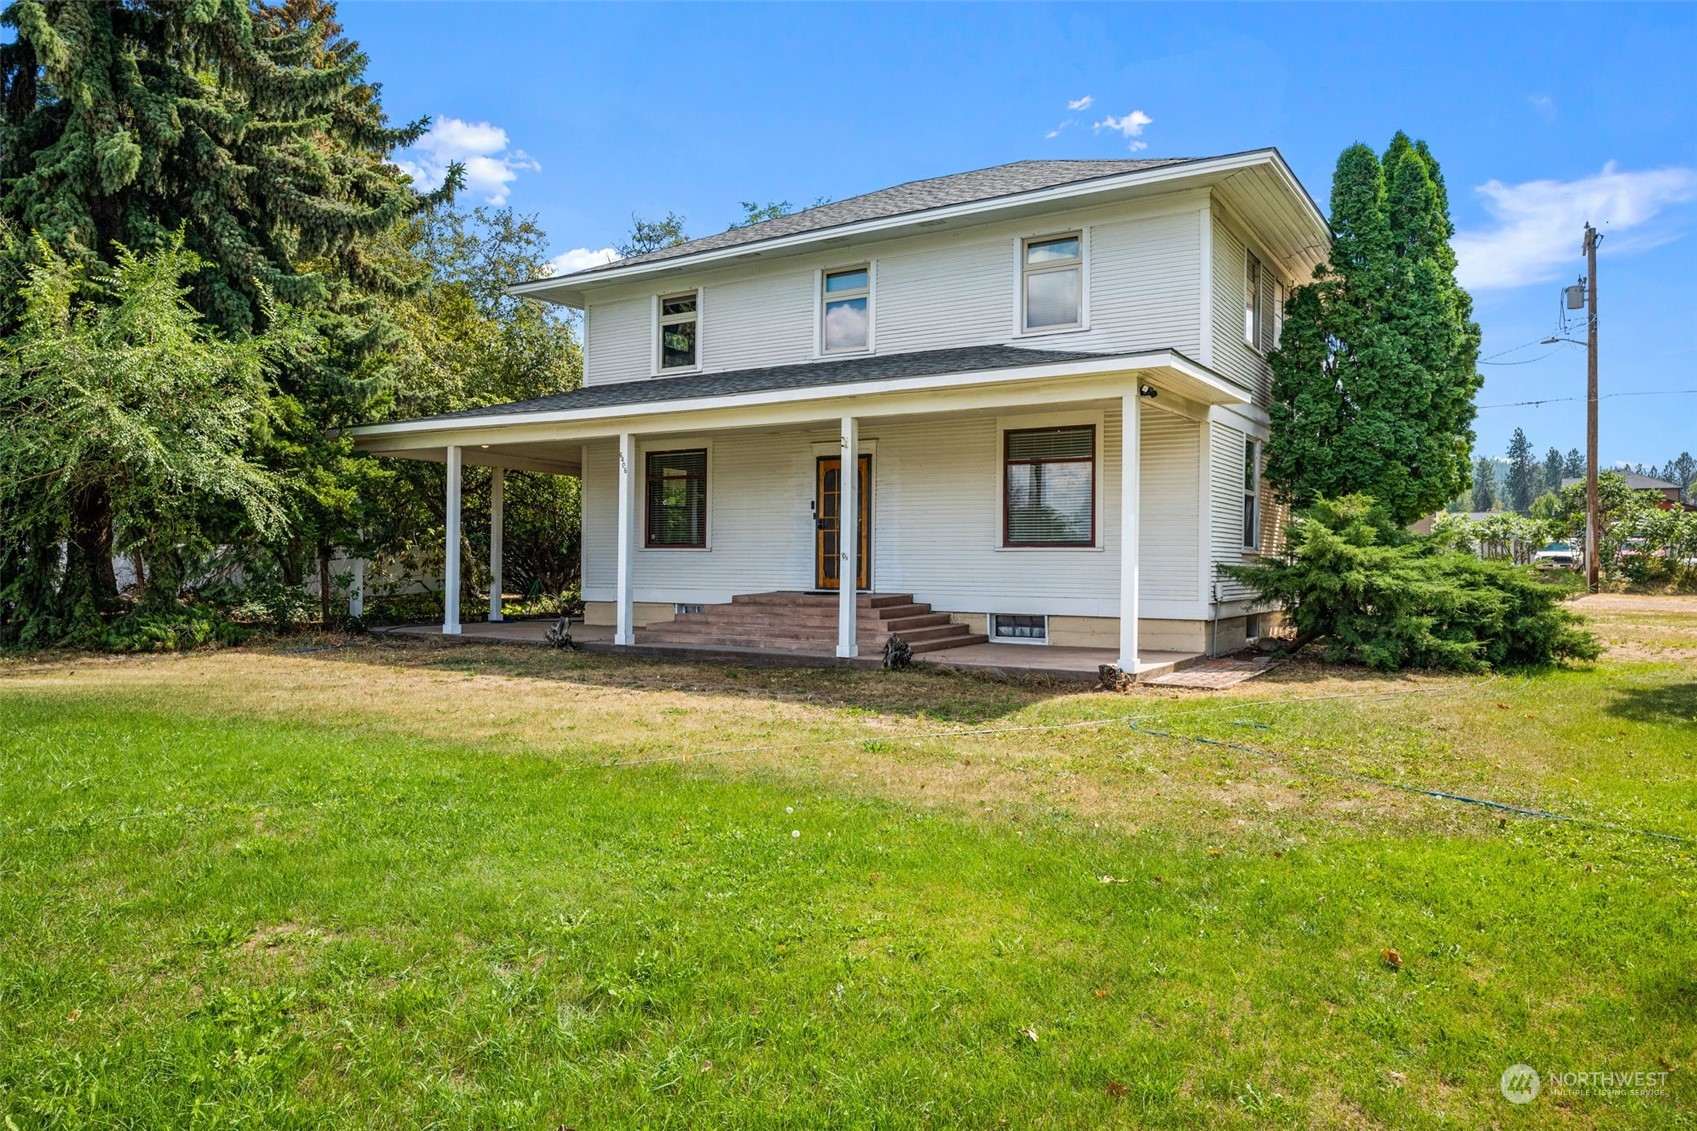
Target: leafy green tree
point(1373, 383)
point(115, 387)
point(1484, 484)
point(1522, 473)
point(252, 131)
point(653, 235)
point(754, 213)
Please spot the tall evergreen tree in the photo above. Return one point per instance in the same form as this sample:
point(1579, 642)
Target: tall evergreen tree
point(1484, 484)
point(1575, 465)
point(1553, 469)
point(1373, 384)
point(1522, 473)
point(250, 129)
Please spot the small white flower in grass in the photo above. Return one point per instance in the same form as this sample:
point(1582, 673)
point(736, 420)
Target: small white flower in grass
point(789, 808)
point(795, 832)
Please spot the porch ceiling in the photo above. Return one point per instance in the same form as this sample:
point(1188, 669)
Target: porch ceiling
point(545, 435)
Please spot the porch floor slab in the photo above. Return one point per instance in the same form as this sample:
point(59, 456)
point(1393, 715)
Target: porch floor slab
point(1071, 664)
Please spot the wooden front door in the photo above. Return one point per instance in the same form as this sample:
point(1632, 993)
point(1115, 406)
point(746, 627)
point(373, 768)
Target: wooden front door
point(827, 521)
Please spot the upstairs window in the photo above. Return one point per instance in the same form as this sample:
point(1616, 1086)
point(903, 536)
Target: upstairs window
point(1050, 487)
point(1251, 495)
point(1251, 300)
point(677, 499)
point(678, 325)
point(1052, 286)
point(846, 320)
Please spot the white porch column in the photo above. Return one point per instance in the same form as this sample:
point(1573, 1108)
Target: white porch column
point(451, 549)
point(356, 589)
point(497, 524)
point(1131, 502)
point(848, 540)
point(624, 631)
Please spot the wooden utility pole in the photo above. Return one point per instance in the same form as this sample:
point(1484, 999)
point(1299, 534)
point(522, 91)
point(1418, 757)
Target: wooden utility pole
point(1593, 526)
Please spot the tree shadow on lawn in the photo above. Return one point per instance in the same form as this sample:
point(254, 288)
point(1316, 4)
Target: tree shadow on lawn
point(934, 693)
point(1674, 703)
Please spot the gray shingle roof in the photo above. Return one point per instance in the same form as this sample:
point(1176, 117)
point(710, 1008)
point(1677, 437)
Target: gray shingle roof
point(914, 196)
point(847, 371)
point(1633, 480)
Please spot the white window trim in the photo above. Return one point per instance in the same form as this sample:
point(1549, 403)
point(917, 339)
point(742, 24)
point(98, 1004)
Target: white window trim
point(1252, 449)
point(1005, 424)
point(990, 630)
point(1083, 323)
point(678, 444)
point(871, 269)
point(654, 333)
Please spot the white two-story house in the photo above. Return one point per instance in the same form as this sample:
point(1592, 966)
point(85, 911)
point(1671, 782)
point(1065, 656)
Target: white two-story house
point(1051, 377)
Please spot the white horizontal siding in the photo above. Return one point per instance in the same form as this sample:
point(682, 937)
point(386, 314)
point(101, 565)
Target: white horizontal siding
point(753, 322)
point(620, 341)
point(959, 288)
point(935, 527)
point(1167, 538)
point(1233, 357)
point(1145, 284)
point(1226, 517)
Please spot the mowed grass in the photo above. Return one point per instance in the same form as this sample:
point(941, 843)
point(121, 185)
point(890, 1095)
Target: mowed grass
point(391, 885)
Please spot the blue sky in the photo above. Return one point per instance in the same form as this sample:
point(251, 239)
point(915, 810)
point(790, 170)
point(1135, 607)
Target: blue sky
point(1542, 116)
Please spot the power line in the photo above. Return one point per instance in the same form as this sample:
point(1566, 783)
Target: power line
point(1604, 397)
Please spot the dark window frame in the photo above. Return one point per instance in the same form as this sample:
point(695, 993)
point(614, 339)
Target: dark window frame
point(1252, 495)
point(1007, 485)
point(649, 512)
point(664, 321)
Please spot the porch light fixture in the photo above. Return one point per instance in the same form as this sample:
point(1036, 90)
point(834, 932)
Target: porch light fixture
point(1147, 391)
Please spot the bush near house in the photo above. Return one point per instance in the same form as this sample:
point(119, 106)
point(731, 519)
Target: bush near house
point(1368, 593)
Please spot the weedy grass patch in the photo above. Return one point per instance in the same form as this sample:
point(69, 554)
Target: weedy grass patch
point(411, 886)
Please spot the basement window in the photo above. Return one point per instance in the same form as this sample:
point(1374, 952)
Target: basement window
point(1019, 628)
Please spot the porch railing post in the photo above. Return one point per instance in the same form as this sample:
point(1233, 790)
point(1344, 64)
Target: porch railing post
point(497, 531)
point(451, 549)
point(848, 540)
point(1131, 486)
point(624, 631)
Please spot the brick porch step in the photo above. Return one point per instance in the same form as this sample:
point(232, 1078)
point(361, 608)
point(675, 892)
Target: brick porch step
point(807, 622)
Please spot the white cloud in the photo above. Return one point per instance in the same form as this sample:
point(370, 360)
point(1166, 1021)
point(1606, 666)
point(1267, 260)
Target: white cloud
point(489, 167)
point(1129, 127)
point(1056, 132)
point(1077, 104)
point(1539, 223)
point(1544, 104)
point(580, 259)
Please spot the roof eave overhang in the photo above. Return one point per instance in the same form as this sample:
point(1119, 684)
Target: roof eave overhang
point(570, 290)
point(1167, 369)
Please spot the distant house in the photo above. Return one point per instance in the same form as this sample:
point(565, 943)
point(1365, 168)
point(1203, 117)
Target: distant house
point(1668, 492)
point(1048, 382)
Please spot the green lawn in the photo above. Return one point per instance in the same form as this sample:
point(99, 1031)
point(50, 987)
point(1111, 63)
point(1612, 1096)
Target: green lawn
point(396, 886)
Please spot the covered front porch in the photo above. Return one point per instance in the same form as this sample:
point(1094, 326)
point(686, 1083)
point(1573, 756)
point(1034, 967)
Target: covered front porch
point(1075, 665)
point(745, 472)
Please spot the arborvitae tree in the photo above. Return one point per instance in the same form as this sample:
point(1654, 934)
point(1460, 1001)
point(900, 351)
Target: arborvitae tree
point(1373, 384)
point(1575, 465)
point(1553, 469)
point(1484, 484)
point(1522, 473)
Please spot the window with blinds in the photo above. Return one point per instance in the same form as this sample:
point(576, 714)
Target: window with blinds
point(1050, 486)
point(677, 499)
